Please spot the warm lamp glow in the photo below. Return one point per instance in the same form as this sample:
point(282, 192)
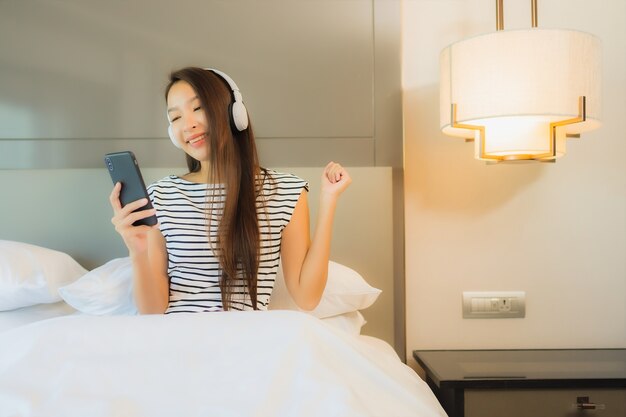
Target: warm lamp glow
point(515, 84)
point(523, 135)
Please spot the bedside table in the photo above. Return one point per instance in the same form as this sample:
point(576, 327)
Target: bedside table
point(527, 383)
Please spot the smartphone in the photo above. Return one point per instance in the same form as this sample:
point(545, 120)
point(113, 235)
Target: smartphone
point(123, 167)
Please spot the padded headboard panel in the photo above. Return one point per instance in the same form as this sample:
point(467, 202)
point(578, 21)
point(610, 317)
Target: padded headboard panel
point(68, 210)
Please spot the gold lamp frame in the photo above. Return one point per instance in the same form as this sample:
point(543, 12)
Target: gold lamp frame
point(549, 156)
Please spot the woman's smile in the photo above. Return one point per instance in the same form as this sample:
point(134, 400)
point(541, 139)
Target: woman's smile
point(197, 140)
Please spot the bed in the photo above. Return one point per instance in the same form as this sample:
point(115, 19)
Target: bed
point(71, 344)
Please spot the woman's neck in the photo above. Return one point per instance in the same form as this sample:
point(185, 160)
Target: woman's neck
point(201, 176)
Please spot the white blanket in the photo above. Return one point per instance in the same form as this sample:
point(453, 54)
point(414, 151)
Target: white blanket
point(272, 363)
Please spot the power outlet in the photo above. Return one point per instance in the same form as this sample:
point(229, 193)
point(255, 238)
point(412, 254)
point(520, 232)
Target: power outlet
point(504, 304)
point(494, 304)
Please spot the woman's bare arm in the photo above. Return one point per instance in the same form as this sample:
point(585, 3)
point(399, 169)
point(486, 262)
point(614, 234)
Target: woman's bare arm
point(305, 261)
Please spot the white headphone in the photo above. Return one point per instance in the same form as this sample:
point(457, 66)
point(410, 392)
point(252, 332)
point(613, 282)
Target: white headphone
point(237, 110)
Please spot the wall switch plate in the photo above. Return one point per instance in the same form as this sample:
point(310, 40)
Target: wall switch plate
point(494, 304)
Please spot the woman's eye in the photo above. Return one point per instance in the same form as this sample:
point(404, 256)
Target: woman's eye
point(174, 119)
point(197, 108)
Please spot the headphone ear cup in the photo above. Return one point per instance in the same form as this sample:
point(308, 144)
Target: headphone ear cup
point(172, 137)
point(239, 115)
point(238, 112)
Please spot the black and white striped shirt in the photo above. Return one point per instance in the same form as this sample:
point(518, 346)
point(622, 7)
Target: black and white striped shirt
point(184, 209)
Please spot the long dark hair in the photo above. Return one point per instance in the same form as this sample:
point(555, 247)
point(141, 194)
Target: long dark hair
point(233, 162)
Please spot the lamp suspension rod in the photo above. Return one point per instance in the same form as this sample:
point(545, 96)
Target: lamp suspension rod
point(500, 14)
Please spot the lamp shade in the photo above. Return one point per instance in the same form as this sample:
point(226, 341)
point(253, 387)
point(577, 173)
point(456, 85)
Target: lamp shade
point(515, 83)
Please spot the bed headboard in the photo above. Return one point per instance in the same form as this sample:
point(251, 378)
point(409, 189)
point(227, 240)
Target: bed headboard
point(68, 210)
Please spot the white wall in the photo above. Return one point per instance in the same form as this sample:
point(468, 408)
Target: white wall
point(556, 231)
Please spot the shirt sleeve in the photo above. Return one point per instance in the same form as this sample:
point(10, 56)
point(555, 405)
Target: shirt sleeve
point(282, 194)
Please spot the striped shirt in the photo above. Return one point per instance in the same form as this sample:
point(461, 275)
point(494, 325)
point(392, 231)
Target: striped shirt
point(185, 209)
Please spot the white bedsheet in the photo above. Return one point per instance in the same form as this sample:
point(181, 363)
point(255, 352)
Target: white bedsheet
point(271, 363)
point(26, 315)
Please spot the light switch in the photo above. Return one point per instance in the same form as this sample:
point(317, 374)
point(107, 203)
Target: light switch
point(494, 304)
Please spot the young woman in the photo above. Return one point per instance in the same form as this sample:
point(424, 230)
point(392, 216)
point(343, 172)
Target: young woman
point(224, 226)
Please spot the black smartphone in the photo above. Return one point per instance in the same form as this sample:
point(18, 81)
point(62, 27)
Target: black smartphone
point(123, 167)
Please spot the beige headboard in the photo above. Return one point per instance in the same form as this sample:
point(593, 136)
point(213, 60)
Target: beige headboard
point(68, 210)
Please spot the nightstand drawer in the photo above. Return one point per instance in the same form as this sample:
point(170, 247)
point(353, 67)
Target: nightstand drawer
point(543, 402)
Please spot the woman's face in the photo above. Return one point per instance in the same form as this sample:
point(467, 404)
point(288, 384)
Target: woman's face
point(188, 120)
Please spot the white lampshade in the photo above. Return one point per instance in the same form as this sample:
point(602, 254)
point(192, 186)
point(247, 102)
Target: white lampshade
point(515, 83)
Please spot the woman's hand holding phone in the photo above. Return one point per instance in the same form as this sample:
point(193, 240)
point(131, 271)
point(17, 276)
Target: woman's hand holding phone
point(135, 237)
point(134, 215)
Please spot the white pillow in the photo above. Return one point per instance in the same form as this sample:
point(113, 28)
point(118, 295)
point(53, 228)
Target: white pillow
point(345, 291)
point(350, 323)
point(31, 274)
point(106, 290)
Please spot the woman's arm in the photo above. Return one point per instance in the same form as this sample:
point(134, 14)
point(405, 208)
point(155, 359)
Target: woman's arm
point(150, 281)
point(305, 262)
point(146, 249)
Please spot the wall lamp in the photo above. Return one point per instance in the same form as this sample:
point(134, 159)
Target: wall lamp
point(519, 94)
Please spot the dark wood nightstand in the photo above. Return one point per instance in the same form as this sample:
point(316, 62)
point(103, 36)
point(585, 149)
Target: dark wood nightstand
point(528, 383)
